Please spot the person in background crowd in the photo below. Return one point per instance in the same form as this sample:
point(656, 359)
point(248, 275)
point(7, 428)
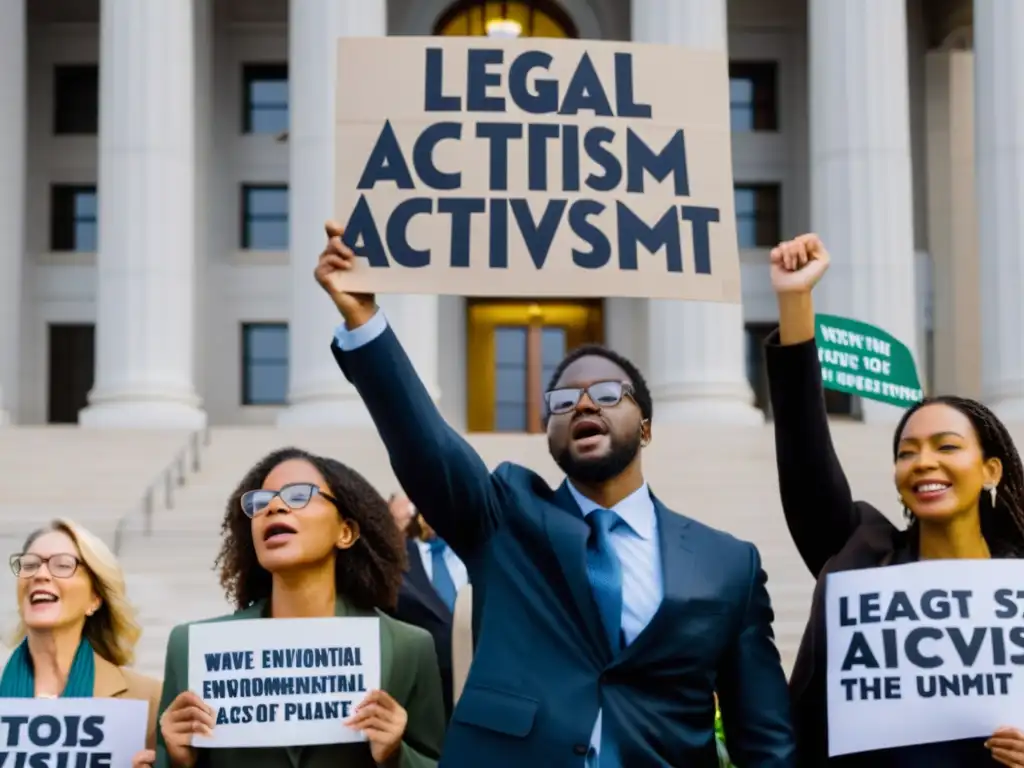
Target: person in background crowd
point(430, 557)
point(306, 536)
point(958, 478)
point(608, 620)
point(433, 579)
point(77, 632)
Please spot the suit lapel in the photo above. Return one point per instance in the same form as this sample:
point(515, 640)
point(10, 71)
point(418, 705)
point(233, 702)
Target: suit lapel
point(677, 575)
point(677, 561)
point(108, 681)
point(568, 533)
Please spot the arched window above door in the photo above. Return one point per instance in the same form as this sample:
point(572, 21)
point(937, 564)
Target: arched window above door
point(515, 18)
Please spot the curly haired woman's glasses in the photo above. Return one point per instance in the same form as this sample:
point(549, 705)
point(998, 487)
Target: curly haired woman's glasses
point(295, 496)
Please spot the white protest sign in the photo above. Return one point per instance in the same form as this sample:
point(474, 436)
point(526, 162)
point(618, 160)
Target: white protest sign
point(283, 682)
point(71, 733)
point(923, 653)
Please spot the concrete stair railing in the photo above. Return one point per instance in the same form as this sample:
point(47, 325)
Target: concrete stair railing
point(94, 477)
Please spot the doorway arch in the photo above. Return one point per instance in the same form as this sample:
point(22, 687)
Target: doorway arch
point(421, 17)
point(514, 18)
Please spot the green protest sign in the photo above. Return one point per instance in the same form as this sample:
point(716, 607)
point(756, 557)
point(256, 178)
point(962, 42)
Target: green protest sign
point(860, 359)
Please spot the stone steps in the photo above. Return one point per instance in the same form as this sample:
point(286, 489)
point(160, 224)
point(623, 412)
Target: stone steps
point(723, 476)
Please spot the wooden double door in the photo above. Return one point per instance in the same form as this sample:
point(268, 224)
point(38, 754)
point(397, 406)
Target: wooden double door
point(513, 348)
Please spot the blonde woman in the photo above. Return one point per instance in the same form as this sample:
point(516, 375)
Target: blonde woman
point(77, 632)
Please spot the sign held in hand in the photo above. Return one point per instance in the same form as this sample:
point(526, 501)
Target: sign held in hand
point(283, 682)
point(480, 167)
point(862, 360)
point(925, 652)
point(77, 733)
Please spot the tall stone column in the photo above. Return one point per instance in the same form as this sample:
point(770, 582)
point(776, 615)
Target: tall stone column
point(416, 320)
point(319, 395)
point(696, 349)
point(146, 262)
point(999, 138)
point(13, 146)
point(861, 196)
point(952, 222)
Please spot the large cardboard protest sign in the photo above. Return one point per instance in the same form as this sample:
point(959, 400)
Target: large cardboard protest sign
point(536, 167)
point(927, 652)
point(285, 682)
point(71, 733)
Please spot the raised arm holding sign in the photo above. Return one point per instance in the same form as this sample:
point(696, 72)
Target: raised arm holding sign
point(584, 584)
point(958, 477)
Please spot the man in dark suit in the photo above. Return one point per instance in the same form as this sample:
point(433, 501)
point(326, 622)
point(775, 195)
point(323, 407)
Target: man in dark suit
point(427, 600)
point(608, 620)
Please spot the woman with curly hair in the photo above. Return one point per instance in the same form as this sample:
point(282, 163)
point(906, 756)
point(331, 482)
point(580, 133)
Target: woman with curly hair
point(306, 537)
point(77, 632)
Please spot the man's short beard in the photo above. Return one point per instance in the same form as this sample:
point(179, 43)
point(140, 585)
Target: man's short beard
point(599, 469)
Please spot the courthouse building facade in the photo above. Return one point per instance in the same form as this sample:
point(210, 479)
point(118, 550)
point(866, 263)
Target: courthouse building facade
point(166, 167)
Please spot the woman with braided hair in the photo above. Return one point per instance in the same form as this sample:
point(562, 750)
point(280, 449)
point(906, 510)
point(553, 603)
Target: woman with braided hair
point(960, 484)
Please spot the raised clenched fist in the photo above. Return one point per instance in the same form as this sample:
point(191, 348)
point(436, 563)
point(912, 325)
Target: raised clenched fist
point(336, 260)
point(797, 265)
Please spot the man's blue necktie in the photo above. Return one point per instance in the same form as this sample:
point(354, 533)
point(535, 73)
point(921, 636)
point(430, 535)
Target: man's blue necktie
point(442, 577)
point(605, 573)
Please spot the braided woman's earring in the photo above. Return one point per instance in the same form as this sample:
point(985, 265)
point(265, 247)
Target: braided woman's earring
point(991, 488)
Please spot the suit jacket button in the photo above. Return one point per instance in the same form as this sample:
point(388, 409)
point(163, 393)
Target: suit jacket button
point(581, 749)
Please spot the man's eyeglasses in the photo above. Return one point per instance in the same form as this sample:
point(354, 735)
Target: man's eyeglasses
point(294, 495)
point(60, 566)
point(603, 394)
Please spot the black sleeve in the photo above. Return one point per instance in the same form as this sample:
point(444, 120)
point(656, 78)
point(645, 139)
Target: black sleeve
point(816, 497)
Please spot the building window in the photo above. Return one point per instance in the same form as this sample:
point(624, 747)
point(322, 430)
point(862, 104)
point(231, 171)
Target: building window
point(73, 225)
point(265, 217)
point(264, 363)
point(265, 105)
point(519, 379)
point(76, 93)
point(752, 96)
point(510, 377)
point(758, 215)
